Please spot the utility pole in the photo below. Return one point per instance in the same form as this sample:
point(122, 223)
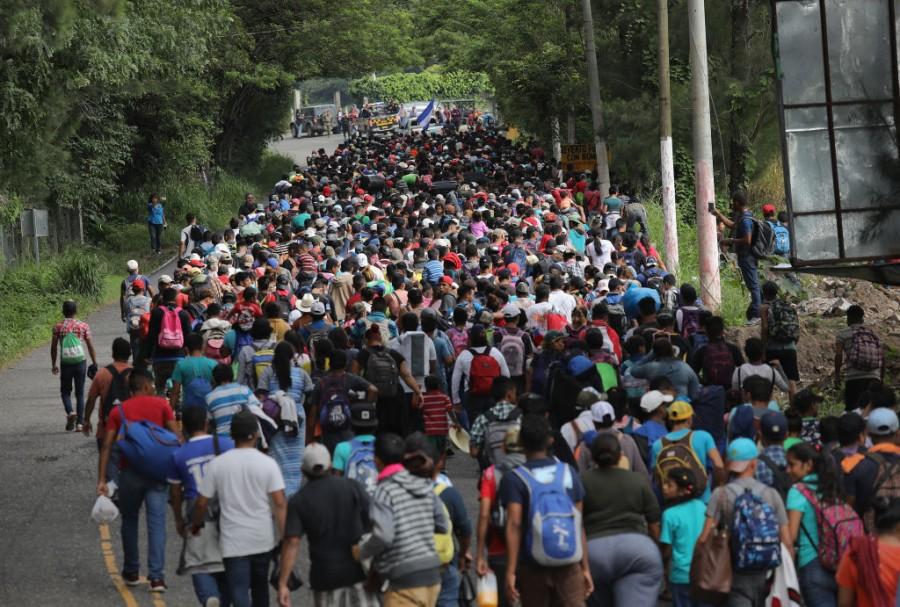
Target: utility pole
point(703, 165)
point(596, 105)
point(555, 138)
point(667, 167)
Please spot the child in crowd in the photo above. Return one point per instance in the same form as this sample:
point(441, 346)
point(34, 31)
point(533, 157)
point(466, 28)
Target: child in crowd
point(682, 523)
point(436, 407)
point(806, 403)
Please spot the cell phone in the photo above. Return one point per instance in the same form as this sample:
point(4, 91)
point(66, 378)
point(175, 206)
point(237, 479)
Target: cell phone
point(711, 207)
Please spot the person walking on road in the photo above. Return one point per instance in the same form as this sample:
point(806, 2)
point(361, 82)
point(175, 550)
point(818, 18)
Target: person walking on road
point(125, 289)
point(136, 490)
point(191, 235)
point(156, 222)
point(71, 337)
point(250, 491)
point(164, 346)
point(110, 384)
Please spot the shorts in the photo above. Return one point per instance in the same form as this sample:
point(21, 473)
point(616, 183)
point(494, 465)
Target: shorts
point(439, 442)
point(788, 360)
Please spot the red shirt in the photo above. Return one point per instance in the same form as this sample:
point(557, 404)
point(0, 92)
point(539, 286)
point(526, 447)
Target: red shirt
point(154, 409)
point(435, 406)
point(487, 490)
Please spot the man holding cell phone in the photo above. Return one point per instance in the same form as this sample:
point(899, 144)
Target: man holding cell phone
point(741, 225)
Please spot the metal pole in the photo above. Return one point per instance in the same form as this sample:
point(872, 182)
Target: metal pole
point(667, 168)
point(554, 136)
point(596, 105)
point(710, 287)
point(81, 221)
point(37, 252)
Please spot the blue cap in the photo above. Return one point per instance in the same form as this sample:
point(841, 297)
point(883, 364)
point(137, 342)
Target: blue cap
point(773, 425)
point(742, 423)
point(741, 451)
point(579, 364)
point(882, 422)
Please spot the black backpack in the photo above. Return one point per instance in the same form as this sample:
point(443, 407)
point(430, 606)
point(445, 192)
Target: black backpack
point(118, 390)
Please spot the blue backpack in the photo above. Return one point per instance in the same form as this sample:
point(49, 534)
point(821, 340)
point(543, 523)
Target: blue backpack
point(361, 464)
point(518, 256)
point(553, 532)
point(782, 239)
point(755, 540)
point(195, 392)
point(147, 447)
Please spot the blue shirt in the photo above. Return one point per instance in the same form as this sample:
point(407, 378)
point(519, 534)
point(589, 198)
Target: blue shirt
point(681, 526)
point(156, 213)
point(652, 430)
point(226, 400)
point(190, 460)
point(808, 538)
point(433, 271)
point(701, 442)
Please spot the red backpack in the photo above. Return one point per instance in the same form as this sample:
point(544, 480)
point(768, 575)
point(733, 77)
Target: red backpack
point(482, 372)
point(718, 364)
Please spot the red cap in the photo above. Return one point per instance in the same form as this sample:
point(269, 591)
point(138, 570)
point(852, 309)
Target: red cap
point(446, 280)
point(768, 209)
point(138, 283)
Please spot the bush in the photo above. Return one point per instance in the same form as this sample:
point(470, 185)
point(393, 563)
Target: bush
point(79, 272)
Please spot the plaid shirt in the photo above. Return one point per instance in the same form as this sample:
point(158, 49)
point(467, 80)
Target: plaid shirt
point(764, 474)
point(70, 325)
point(477, 434)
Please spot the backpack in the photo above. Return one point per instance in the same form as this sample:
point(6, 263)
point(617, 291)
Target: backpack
point(133, 320)
point(517, 256)
point(147, 447)
point(262, 359)
point(781, 479)
point(553, 527)
point(784, 326)
point(555, 320)
point(273, 405)
point(617, 318)
point(214, 342)
point(459, 339)
point(195, 392)
point(334, 414)
point(284, 304)
point(196, 235)
point(171, 335)
point(482, 372)
point(118, 390)
point(495, 434)
point(782, 239)
point(755, 540)
point(690, 321)
point(865, 351)
point(72, 350)
point(837, 523)
point(680, 454)
point(245, 319)
point(361, 464)
point(382, 328)
point(382, 370)
point(443, 542)
point(718, 364)
point(887, 485)
point(513, 350)
point(762, 242)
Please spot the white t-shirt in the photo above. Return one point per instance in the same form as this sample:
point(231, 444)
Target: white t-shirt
point(418, 351)
point(537, 315)
point(603, 256)
point(242, 479)
point(186, 238)
point(765, 371)
point(563, 303)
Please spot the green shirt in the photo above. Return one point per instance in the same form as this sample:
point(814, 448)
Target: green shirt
point(300, 220)
point(681, 526)
point(617, 501)
point(808, 538)
point(191, 367)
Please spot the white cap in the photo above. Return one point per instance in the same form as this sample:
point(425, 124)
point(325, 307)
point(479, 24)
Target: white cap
point(511, 310)
point(293, 316)
point(132, 265)
point(362, 260)
point(166, 279)
point(195, 257)
point(652, 400)
point(603, 285)
point(601, 410)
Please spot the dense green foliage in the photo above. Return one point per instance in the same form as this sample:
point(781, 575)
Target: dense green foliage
point(104, 97)
point(423, 86)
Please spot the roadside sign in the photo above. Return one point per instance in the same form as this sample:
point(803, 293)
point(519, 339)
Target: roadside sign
point(580, 156)
point(35, 223)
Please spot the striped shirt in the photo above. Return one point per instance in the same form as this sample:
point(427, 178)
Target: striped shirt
point(435, 406)
point(226, 400)
point(307, 263)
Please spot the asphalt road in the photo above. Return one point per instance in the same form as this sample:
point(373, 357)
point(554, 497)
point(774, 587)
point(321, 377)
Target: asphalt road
point(51, 552)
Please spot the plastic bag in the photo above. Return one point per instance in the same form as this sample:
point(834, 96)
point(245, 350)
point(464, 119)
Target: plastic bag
point(487, 590)
point(104, 510)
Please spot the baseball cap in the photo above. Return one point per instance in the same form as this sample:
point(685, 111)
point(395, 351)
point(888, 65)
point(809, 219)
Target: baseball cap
point(522, 287)
point(653, 399)
point(132, 265)
point(552, 336)
point(587, 397)
point(742, 423)
point(316, 460)
point(362, 260)
point(882, 422)
point(773, 426)
point(741, 451)
point(165, 279)
point(449, 281)
point(511, 311)
point(138, 283)
point(768, 209)
point(680, 411)
point(294, 316)
point(317, 309)
point(603, 413)
point(579, 364)
point(363, 416)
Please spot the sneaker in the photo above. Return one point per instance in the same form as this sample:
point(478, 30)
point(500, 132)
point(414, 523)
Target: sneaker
point(131, 579)
point(158, 586)
point(753, 322)
point(78, 427)
point(212, 601)
point(70, 422)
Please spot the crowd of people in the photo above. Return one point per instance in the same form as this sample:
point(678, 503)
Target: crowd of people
point(307, 370)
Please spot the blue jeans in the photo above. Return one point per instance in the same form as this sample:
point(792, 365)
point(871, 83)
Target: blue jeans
point(248, 579)
point(135, 491)
point(681, 596)
point(69, 374)
point(156, 230)
point(817, 586)
point(450, 580)
point(750, 274)
point(208, 585)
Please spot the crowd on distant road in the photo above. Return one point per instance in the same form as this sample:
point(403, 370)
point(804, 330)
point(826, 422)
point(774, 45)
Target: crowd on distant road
point(306, 371)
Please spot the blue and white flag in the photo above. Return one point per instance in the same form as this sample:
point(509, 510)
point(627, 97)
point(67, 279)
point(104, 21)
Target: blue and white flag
point(422, 120)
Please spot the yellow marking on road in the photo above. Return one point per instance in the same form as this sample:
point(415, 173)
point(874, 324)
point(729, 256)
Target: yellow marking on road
point(109, 557)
